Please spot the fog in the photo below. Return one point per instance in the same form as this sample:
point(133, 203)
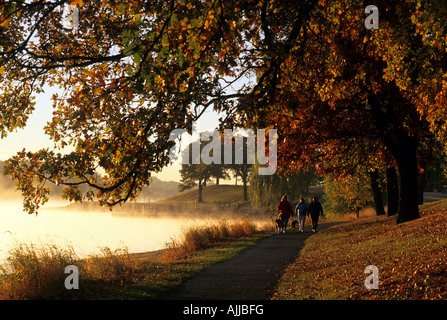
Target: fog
point(87, 230)
point(7, 187)
point(157, 190)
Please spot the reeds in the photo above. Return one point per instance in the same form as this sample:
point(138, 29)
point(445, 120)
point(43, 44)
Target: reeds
point(33, 272)
point(196, 238)
point(37, 272)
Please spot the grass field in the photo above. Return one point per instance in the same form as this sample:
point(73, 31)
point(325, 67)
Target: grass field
point(223, 193)
point(226, 198)
point(411, 258)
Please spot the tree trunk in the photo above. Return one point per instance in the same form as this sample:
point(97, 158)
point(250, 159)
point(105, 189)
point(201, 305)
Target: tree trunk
point(403, 148)
point(392, 191)
point(407, 167)
point(200, 191)
point(244, 181)
point(377, 192)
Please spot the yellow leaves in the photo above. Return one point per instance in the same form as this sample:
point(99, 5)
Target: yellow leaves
point(5, 23)
point(137, 18)
point(232, 25)
point(78, 3)
point(443, 87)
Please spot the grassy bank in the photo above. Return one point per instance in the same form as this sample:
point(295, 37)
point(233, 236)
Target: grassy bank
point(223, 193)
point(38, 272)
point(410, 257)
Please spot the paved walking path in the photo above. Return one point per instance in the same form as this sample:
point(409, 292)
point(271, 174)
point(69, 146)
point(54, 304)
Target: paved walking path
point(252, 275)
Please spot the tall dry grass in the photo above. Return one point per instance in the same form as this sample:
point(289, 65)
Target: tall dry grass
point(33, 272)
point(38, 272)
point(196, 238)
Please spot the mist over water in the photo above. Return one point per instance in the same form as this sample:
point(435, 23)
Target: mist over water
point(87, 231)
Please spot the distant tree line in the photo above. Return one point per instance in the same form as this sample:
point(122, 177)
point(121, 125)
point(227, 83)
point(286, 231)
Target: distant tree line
point(266, 191)
point(197, 173)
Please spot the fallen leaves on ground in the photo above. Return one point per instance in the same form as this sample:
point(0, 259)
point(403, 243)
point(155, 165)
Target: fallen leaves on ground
point(411, 258)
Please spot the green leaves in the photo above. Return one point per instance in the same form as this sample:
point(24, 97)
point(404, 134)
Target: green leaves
point(195, 22)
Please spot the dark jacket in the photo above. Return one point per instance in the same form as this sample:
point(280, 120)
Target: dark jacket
point(315, 209)
point(286, 208)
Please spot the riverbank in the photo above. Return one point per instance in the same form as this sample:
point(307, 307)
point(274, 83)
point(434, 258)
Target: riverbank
point(38, 272)
point(165, 276)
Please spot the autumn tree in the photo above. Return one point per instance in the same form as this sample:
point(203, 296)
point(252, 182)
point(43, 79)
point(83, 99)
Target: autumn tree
point(133, 71)
point(351, 194)
point(127, 76)
point(243, 166)
point(376, 190)
point(350, 86)
point(219, 172)
point(194, 175)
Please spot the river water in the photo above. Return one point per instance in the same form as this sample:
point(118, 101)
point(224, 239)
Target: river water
point(86, 232)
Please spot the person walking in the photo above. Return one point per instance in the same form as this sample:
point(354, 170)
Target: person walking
point(285, 211)
point(300, 211)
point(315, 210)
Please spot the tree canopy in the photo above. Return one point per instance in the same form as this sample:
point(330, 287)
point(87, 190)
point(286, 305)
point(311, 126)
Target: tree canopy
point(130, 73)
point(133, 71)
point(354, 95)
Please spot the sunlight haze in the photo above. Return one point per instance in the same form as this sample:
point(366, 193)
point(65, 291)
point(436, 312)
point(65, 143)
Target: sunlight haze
point(33, 138)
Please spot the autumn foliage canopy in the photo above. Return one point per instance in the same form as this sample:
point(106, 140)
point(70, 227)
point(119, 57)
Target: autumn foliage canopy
point(339, 95)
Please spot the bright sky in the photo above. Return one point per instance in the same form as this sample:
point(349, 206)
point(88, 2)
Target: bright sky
point(33, 138)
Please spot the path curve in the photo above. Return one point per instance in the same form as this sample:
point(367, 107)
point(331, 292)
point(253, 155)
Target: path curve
point(252, 275)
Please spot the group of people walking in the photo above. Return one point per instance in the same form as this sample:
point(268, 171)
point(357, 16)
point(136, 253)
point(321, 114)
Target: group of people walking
point(302, 209)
